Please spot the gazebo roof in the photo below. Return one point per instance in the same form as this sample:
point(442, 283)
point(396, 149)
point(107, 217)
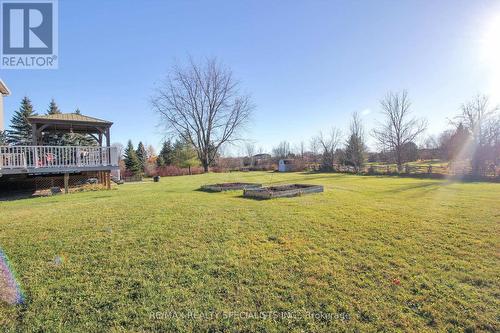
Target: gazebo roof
point(3, 89)
point(70, 123)
point(69, 118)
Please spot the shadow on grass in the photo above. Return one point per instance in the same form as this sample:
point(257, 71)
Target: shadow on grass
point(428, 186)
point(437, 176)
point(16, 195)
point(241, 196)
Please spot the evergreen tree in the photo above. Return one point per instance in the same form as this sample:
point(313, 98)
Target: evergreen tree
point(132, 162)
point(53, 139)
point(160, 161)
point(185, 155)
point(20, 133)
point(53, 108)
point(355, 152)
point(166, 155)
point(77, 139)
point(142, 155)
point(3, 138)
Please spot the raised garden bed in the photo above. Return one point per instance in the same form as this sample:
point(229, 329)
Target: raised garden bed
point(230, 187)
point(281, 191)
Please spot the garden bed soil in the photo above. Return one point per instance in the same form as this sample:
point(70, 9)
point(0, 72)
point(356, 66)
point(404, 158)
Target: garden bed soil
point(230, 187)
point(281, 191)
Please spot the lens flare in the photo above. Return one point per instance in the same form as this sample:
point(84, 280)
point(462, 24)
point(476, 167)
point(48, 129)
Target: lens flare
point(490, 55)
point(10, 290)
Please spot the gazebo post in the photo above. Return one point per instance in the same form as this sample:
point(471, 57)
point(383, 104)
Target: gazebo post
point(34, 134)
point(108, 140)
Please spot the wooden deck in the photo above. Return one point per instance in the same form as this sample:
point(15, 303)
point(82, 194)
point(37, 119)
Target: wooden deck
point(56, 159)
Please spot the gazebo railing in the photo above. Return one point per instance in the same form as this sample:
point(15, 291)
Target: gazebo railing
point(34, 157)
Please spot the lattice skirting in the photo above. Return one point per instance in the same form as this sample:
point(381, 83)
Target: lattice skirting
point(37, 183)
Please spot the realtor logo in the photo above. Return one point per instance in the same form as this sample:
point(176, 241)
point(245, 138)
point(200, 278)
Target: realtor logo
point(29, 34)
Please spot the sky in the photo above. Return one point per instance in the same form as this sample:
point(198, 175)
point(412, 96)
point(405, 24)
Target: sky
point(308, 65)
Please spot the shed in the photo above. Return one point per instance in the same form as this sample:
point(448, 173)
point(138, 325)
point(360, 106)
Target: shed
point(285, 165)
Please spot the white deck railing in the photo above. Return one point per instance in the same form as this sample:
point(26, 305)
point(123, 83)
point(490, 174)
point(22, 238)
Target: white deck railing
point(35, 157)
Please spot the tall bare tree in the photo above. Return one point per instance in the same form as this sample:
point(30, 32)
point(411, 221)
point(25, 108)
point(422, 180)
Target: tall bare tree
point(355, 145)
point(282, 150)
point(203, 105)
point(314, 147)
point(329, 144)
point(250, 152)
point(250, 149)
point(482, 121)
point(399, 127)
point(302, 149)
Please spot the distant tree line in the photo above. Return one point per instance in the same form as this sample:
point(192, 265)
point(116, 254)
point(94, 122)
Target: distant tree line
point(474, 138)
point(145, 161)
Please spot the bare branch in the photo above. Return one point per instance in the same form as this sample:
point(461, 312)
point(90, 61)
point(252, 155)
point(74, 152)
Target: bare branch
point(398, 128)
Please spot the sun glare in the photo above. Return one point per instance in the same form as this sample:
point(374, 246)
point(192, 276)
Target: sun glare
point(491, 55)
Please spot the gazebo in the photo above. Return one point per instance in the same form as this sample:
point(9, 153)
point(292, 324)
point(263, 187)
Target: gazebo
point(65, 164)
point(70, 123)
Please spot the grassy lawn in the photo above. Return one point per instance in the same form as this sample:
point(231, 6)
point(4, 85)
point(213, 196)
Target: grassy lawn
point(369, 254)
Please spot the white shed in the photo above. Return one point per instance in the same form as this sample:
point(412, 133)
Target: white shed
point(285, 165)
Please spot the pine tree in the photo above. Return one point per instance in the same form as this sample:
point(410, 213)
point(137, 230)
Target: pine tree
point(77, 139)
point(132, 162)
point(185, 155)
point(20, 133)
point(53, 108)
point(160, 161)
point(355, 152)
point(166, 155)
point(142, 155)
point(3, 138)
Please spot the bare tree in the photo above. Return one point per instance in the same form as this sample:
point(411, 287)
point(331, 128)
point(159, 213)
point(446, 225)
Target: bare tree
point(398, 128)
point(250, 152)
point(478, 117)
point(483, 124)
point(119, 149)
point(314, 146)
point(202, 104)
point(329, 144)
point(431, 142)
point(250, 149)
point(282, 150)
point(355, 145)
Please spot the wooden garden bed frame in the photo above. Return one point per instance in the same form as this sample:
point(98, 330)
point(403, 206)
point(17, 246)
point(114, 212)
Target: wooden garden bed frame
point(281, 191)
point(230, 187)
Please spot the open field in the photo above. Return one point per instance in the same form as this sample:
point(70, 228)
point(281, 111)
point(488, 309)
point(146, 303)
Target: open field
point(368, 254)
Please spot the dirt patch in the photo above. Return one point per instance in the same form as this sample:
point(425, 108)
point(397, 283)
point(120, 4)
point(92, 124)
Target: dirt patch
point(230, 187)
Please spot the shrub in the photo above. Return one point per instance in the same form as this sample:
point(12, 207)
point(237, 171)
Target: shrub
point(171, 170)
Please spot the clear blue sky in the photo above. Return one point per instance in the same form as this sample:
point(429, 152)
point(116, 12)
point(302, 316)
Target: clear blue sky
point(307, 64)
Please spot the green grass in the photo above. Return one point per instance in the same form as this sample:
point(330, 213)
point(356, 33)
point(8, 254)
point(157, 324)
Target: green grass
point(212, 261)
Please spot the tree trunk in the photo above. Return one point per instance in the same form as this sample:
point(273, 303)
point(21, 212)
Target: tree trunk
point(399, 160)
